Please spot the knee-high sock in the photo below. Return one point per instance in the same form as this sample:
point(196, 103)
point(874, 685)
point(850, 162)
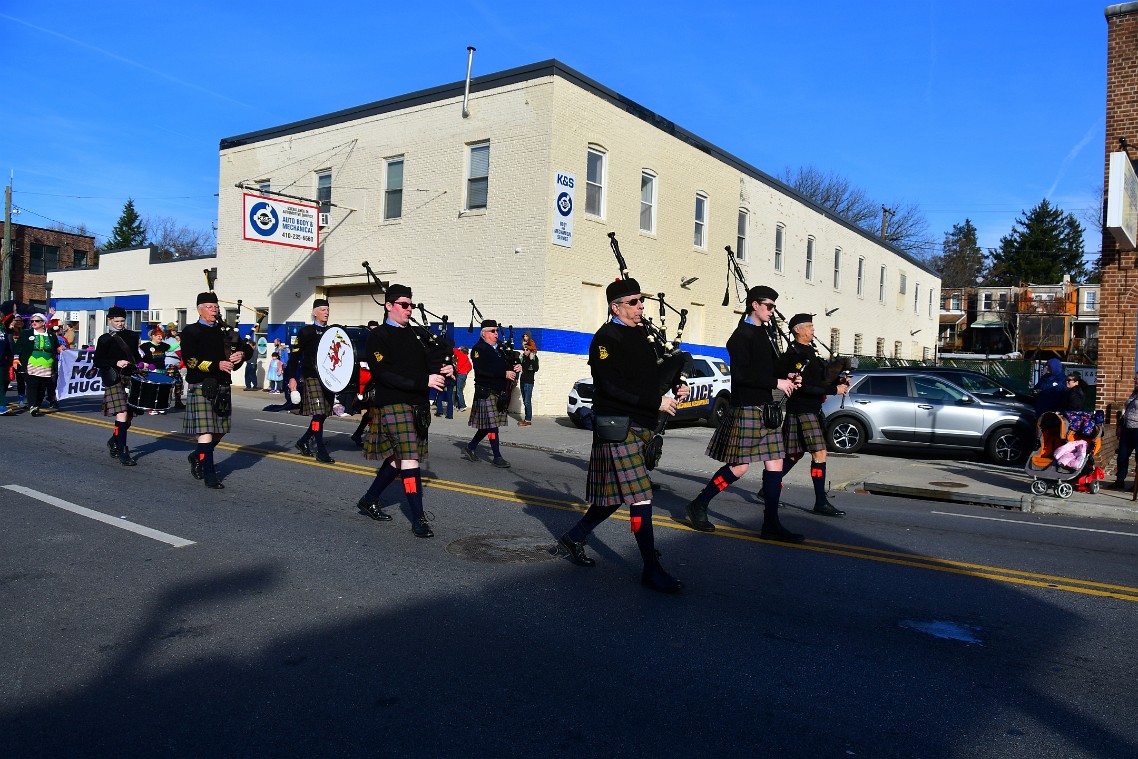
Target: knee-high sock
point(593, 517)
point(120, 433)
point(818, 476)
point(413, 489)
point(641, 521)
point(788, 464)
point(474, 441)
point(384, 476)
point(204, 452)
point(717, 484)
point(316, 429)
point(772, 489)
point(363, 426)
point(492, 436)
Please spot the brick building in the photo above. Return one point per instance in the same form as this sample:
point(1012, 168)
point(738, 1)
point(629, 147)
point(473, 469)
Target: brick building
point(35, 252)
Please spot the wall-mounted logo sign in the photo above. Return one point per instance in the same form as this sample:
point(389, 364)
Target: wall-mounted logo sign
point(281, 222)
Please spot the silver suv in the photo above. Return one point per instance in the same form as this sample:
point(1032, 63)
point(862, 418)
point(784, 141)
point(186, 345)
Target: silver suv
point(908, 408)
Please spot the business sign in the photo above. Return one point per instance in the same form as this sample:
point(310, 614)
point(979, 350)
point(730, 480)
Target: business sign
point(1122, 201)
point(281, 222)
point(77, 375)
point(563, 210)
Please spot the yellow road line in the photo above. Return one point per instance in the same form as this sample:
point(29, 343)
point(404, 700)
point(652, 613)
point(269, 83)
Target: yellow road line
point(884, 556)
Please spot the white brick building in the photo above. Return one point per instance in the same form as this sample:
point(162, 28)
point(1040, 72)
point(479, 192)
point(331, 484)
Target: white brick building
point(410, 192)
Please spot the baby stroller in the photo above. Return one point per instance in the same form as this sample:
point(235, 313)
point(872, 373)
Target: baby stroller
point(1065, 457)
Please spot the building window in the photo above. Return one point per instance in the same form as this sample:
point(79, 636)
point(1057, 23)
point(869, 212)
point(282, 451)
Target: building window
point(1003, 302)
point(924, 354)
point(180, 315)
point(930, 301)
point(857, 343)
point(987, 301)
point(79, 259)
point(393, 194)
point(700, 239)
point(741, 235)
point(881, 286)
point(880, 347)
point(779, 238)
point(43, 257)
point(954, 302)
point(903, 283)
point(896, 349)
point(837, 268)
point(860, 276)
point(809, 259)
point(916, 297)
point(835, 339)
point(647, 201)
point(324, 191)
point(478, 180)
point(595, 183)
point(1090, 300)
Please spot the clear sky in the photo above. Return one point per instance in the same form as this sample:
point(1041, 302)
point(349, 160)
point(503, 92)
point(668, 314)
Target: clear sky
point(970, 109)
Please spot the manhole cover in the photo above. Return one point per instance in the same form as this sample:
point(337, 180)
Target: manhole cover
point(947, 484)
point(503, 549)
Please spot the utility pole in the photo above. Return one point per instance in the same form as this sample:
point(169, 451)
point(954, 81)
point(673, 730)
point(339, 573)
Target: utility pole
point(6, 251)
point(885, 214)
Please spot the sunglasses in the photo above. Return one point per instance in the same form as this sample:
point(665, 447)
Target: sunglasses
point(491, 330)
point(635, 301)
point(403, 304)
point(767, 304)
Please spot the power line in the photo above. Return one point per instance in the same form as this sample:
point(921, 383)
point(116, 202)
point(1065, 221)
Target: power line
point(109, 197)
point(60, 223)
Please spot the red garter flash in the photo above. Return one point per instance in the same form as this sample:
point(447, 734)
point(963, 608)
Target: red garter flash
point(635, 523)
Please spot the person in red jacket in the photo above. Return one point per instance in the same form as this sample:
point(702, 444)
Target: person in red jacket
point(462, 367)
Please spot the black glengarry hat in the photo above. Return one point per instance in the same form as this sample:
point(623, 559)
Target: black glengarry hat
point(319, 303)
point(760, 293)
point(395, 292)
point(116, 312)
point(800, 319)
point(489, 324)
point(209, 297)
point(622, 288)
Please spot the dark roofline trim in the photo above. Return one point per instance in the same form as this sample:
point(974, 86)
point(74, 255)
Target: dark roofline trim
point(556, 68)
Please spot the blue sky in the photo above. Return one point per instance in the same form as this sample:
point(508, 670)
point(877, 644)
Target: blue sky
point(970, 109)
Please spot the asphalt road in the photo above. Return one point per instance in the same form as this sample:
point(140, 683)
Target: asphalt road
point(293, 625)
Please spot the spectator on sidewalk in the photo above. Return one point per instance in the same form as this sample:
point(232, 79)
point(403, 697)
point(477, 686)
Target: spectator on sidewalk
point(276, 374)
point(7, 352)
point(1075, 399)
point(251, 364)
point(462, 368)
point(529, 369)
point(1051, 390)
point(38, 349)
point(14, 330)
point(1127, 437)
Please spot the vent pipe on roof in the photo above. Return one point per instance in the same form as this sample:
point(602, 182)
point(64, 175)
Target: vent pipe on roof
point(466, 94)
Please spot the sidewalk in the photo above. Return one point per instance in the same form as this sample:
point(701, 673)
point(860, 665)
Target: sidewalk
point(918, 474)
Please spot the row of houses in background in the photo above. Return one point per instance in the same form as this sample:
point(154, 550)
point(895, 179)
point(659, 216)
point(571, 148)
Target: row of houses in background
point(1037, 321)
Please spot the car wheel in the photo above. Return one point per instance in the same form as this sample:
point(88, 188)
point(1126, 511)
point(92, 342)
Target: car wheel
point(1006, 446)
point(845, 435)
point(719, 410)
point(1039, 487)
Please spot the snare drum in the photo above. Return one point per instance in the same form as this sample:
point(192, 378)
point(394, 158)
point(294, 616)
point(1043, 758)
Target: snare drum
point(150, 391)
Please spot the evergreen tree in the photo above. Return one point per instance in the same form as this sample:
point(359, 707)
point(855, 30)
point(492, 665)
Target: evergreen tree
point(1044, 244)
point(129, 232)
point(961, 262)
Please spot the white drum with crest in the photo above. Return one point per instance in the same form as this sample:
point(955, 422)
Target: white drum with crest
point(335, 359)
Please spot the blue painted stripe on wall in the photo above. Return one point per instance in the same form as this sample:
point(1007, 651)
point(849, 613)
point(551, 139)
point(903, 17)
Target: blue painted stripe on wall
point(129, 302)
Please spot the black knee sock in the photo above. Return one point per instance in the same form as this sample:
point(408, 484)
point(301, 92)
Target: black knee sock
point(492, 436)
point(384, 476)
point(316, 429)
point(717, 484)
point(120, 433)
point(363, 426)
point(772, 490)
point(641, 520)
point(474, 441)
point(413, 489)
point(204, 452)
point(593, 517)
point(818, 476)
point(788, 464)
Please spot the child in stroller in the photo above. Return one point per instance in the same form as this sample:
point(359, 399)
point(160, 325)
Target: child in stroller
point(1065, 457)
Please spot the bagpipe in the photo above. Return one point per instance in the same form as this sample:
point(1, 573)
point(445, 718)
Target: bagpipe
point(440, 352)
point(675, 364)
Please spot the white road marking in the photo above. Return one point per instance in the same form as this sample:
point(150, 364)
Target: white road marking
point(301, 426)
point(173, 540)
point(1036, 524)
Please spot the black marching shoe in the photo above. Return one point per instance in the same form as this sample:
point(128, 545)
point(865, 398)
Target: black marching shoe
point(36, 411)
point(468, 454)
point(302, 446)
point(195, 466)
point(659, 580)
point(113, 447)
point(359, 441)
point(827, 509)
point(373, 510)
point(322, 456)
point(780, 533)
point(697, 516)
point(501, 463)
point(124, 457)
point(421, 528)
point(211, 481)
point(576, 551)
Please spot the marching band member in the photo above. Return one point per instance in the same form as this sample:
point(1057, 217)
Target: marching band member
point(400, 411)
point(626, 383)
point(316, 400)
point(211, 355)
point(491, 375)
point(116, 356)
point(745, 435)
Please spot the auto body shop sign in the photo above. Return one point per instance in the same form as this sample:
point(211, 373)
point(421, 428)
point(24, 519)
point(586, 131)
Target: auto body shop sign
point(281, 222)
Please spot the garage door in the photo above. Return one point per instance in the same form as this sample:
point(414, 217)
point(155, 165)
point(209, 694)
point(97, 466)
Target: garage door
point(353, 306)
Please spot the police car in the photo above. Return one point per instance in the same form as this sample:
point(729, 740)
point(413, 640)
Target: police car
point(709, 394)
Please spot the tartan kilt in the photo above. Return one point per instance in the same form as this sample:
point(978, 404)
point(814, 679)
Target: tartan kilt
point(803, 433)
point(484, 415)
point(199, 418)
point(175, 373)
point(741, 438)
point(391, 432)
point(114, 400)
point(314, 399)
point(617, 474)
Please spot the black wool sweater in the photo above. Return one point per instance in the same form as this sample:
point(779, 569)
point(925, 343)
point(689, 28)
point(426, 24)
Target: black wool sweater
point(753, 364)
point(398, 363)
point(626, 380)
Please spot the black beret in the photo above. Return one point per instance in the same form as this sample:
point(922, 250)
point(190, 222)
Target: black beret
point(622, 288)
point(209, 297)
point(319, 303)
point(489, 324)
point(373, 323)
point(395, 292)
point(760, 293)
point(800, 319)
point(116, 311)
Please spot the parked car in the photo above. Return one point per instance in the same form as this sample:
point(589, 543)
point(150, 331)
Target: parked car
point(919, 409)
point(971, 380)
point(709, 392)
